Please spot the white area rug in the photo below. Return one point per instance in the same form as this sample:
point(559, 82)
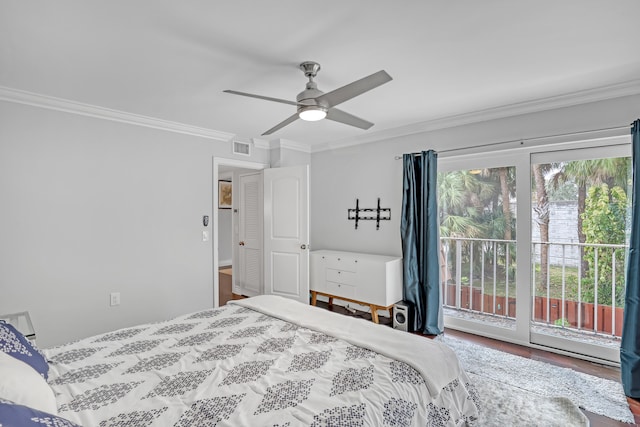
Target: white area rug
point(495, 371)
point(504, 405)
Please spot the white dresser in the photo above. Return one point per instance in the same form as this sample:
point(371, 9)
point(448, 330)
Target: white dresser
point(366, 279)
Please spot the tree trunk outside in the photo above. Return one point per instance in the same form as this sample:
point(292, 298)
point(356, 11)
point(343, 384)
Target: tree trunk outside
point(542, 211)
point(506, 208)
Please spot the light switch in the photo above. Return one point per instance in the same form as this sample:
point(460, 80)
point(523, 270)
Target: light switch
point(205, 236)
point(114, 298)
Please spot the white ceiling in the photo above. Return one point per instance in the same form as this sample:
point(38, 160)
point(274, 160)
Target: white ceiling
point(171, 60)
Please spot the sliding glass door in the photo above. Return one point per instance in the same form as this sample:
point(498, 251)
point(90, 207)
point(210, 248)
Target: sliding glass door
point(481, 221)
point(579, 240)
point(533, 244)
point(478, 250)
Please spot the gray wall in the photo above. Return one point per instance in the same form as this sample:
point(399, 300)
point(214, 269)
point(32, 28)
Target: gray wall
point(285, 156)
point(91, 206)
point(369, 171)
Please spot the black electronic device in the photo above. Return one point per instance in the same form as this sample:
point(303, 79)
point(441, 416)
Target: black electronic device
point(403, 316)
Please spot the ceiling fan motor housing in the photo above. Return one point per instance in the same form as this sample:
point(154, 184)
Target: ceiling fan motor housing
point(308, 97)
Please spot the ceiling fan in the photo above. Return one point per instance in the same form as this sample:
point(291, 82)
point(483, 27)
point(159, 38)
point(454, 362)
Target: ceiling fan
point(313, 104)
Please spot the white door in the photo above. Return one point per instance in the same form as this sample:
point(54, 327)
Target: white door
point(286, 232)
point(250, 235)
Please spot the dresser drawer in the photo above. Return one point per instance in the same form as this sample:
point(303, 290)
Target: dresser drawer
point(339, 262)
point(341, 276)
point(341, 290)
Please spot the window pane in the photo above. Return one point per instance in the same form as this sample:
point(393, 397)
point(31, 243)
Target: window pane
point(579, 236)
point(478, 232)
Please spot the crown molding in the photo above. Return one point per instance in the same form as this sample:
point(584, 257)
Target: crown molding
point(68, 106)
point(261, 143)
point(289, 145)
point(296, 146)
point(628, 88)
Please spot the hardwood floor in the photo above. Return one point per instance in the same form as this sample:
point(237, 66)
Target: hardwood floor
point(579, 365)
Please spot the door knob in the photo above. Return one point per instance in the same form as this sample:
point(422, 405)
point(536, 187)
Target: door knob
point(303, 246)
point(241, 243)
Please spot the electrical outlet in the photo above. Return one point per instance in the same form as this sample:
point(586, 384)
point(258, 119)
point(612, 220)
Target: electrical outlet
point(115, 298)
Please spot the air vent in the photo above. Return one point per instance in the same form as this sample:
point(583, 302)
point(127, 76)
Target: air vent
point(243, 148)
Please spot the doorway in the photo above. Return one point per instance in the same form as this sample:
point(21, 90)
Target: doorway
point(224, 223)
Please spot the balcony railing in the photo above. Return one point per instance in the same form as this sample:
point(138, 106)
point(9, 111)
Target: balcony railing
point(478, 276)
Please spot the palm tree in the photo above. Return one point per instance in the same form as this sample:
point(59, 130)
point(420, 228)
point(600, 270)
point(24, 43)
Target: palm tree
point(542, 218)
point(461, 198)
point(506, 208)
point(584, 173)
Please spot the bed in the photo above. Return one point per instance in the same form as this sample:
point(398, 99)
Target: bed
point(262, 361)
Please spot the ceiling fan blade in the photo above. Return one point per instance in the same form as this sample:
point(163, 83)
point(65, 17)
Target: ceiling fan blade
point(348, 119)
point(282, 124)
point(267, 98)
point(354, 89)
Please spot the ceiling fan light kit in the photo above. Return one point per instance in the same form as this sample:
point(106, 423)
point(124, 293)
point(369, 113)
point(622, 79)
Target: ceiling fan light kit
point(312, 113)
point(313, 104)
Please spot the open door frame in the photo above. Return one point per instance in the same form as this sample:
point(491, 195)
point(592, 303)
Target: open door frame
point(217, 162)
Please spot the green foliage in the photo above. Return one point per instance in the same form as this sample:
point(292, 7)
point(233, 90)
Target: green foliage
point(604, 292)
point(457, 192)
point(604, 215)
point(470, 204)
point(562, 322)
point(567, 190)
point(604, 222)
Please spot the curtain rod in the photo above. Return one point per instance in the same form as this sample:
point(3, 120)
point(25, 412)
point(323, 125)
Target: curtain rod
point(522, 140)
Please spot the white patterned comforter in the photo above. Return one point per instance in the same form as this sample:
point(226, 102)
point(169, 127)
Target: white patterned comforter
point(235, 366)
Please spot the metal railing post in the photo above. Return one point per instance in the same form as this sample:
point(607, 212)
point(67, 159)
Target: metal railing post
point(495, 275)
point(579, 294)
point(471, 275)
point(482, 279)
point(613, 292)
point(595, 290)
point(563, 283)
point(458, 273)
point(548, 282)
point(506, 280)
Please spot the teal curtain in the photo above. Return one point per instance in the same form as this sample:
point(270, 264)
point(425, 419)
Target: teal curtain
point(421, 241)
point(630, 345)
